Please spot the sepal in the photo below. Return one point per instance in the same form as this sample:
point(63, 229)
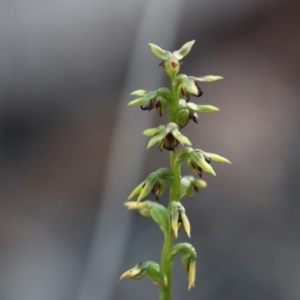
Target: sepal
point(158, 51)
point(217, 158)
point(207, 78)
point(184, 50)
point(139, 93)
point(202, 108)
point(154, 131)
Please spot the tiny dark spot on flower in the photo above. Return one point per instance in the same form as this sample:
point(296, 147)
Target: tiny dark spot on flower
point(207, 159)
point(174, 64)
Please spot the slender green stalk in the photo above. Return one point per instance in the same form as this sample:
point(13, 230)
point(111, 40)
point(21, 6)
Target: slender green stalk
point(166, 263)
point(166, 291)
point(168, 137)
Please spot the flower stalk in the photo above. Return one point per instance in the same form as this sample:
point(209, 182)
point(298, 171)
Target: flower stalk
point(172, 217)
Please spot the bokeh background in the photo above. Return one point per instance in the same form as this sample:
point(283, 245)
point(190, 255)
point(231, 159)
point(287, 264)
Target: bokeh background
point(71, 151)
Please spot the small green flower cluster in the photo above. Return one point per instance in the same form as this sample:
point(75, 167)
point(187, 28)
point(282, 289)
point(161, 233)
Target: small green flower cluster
point(169, 137)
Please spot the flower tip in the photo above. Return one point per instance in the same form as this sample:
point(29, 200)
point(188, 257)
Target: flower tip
point(175, 229)
point(212, 172)
point(192, 275)
point(124, 275)
point(131, 204)
point(130, 196)
point(191, 286)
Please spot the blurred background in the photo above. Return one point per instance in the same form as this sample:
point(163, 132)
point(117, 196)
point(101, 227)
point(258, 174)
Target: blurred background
point(71, 151)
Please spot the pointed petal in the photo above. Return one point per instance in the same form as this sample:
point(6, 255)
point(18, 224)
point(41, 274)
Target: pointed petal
point(139, 93)
point(181, 138)
point(132, 273)
point(186, 223)
point(175, 227)
point(146, 98)
point(207, 78)
point(202, 163)
point(192, 274)
point(150, 183)
point(131, 205)
point(153, 131)
point(184, 50)
point(161, 53)
point(138, 102)
point(156, 139)
point(137, 190)
point(202, 108)
point(144, 208)
point(217, 158)
point(174, 220)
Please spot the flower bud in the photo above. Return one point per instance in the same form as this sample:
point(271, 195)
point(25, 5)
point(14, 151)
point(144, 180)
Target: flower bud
point(148, 268)
point(189, 258)
point(179, 217)
point(189, 185)
point(182, 117)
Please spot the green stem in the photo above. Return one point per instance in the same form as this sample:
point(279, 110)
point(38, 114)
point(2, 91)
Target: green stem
point(175, 185)
point(166, 263)
point(166, 291)
point(175, 101)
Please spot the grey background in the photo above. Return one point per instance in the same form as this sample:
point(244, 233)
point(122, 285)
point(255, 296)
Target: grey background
point(66, 70)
